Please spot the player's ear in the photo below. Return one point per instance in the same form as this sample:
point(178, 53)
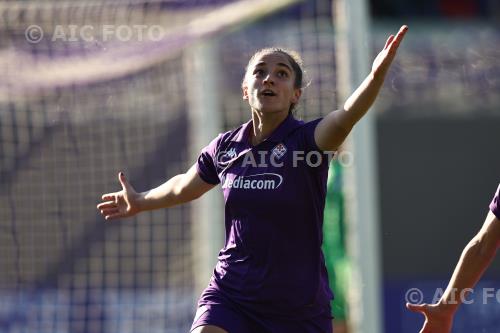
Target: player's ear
point(244, 88)
point(296, 95)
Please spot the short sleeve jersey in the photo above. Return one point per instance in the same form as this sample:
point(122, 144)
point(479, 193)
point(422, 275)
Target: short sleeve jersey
point(494, 205)
point(274, 196)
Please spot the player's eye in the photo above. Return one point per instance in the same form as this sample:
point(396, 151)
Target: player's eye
point(283, 74)
point(258, 72)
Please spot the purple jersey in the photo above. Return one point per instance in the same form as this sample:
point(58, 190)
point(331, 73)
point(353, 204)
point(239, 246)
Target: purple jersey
point(274, 195)
point(494, 206)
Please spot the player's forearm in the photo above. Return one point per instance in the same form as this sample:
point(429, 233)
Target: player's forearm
point(474, 260)
point(360, 101)
point(166, 195)
point(336, 126)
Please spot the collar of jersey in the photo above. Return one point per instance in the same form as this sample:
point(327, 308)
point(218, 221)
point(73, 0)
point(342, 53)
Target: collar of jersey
point(288, 125)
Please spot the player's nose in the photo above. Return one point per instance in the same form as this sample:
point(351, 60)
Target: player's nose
point(268, 79)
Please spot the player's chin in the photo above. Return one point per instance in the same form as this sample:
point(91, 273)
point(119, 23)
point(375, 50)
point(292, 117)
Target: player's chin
point(273, 108)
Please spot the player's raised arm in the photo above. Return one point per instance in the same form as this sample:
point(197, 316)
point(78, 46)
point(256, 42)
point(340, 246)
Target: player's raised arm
point(475, 259)
point(128, 202)
point(334, 128)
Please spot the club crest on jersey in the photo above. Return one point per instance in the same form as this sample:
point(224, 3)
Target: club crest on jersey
point(279, 150)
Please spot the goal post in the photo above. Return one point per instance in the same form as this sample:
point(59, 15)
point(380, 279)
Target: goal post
point(351, 22)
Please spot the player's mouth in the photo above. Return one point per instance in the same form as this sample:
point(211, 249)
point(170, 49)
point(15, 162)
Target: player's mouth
point(267, 93)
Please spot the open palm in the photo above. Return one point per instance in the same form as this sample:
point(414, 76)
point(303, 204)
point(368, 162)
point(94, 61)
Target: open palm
point(120, 204)
point(384, 59)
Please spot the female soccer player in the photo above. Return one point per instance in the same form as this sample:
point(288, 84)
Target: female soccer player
point(476, 257)
point(270, 275)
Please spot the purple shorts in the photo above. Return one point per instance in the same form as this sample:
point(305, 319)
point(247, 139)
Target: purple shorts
point(233, 319)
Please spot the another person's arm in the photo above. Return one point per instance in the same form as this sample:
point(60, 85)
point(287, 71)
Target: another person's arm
point(475, 259)
point(127, 202)
point(332, 130)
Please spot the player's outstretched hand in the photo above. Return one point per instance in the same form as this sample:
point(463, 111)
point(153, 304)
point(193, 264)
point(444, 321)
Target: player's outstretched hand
point(436, 320)
point(384, 59)
point(120, 204)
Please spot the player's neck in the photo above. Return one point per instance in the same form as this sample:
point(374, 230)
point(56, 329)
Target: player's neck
point(264, 123)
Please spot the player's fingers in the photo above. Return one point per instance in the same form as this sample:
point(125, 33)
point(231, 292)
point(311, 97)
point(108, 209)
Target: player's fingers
point(109, 211)
point(113, 216)
point(108, 197)
point(388, 42)
point(400, 35)
point(124, 182)
point(105, 205)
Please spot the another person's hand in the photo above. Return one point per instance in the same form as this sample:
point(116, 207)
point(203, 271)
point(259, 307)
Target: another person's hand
point(437, 320)
point(384, 59)
point(120, 204)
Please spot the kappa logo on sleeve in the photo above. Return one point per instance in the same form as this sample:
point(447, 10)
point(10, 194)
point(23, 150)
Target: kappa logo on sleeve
point(279, 150)
point(231, 153)
point(225, 156)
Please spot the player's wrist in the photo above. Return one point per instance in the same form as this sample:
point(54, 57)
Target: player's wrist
point(377, 76)
point(141, 201)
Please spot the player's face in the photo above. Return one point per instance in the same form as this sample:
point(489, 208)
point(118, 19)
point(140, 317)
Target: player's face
point(269, 84)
